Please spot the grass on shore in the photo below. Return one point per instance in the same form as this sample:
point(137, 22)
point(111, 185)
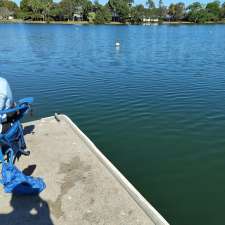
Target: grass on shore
point(86, 22)
point(49, 22)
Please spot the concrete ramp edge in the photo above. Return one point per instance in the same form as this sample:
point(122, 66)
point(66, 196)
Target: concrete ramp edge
point(132, 191)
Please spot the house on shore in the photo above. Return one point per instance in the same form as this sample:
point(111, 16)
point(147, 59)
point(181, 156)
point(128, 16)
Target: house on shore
point(115, 16)
point(78, 14)
point(150, 20)
point(6, 14)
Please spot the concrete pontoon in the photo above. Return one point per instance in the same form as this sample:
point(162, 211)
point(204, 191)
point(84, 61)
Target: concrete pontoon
point(83, 187)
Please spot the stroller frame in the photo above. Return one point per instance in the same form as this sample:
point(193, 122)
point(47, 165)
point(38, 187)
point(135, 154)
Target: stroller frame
point(12, 140)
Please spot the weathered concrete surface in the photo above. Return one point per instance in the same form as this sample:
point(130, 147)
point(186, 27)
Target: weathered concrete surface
point(80, 189)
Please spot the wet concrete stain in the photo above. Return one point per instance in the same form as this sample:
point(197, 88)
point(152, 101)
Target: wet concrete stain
point(74, 172)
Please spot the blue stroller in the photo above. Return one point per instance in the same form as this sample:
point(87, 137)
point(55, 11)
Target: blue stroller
point(12, 146)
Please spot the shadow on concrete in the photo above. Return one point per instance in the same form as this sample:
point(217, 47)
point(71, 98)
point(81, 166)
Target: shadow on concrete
point(29, 170)
point(27, 210)
point(28, 129)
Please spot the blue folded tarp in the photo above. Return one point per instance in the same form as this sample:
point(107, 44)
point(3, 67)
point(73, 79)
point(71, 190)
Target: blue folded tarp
point(14, 181)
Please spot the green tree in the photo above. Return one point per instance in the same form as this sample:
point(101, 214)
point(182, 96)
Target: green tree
point(56, 12)
point(137, 14)
point(121, 8)
point(96, 4)
point(172, 11)
point(8, 8)
point(177, 11)
point(10, 5)
point(195, 6)
point(36, 9)
point(162, 10)
point(180, 11)
point(130, 2)
point(196, 13)
point(25, 6)
point(86, 8)
point(213, 9)
point(150, 4)
point(31, 9)
point(46, 6)
point(103, 15)
point(68, 7)
point(222, 11)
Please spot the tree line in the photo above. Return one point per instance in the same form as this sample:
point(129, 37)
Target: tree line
point(123, 11)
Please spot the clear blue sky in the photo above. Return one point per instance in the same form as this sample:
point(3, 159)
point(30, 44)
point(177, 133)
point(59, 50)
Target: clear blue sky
point(166, 2)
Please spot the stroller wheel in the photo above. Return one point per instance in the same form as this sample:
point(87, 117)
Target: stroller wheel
point(27, 153)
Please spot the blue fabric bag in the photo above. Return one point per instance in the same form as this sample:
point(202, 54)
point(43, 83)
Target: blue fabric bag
point(14, 181)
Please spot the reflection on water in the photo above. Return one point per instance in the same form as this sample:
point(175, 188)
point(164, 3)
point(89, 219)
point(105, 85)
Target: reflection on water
point(155, 106)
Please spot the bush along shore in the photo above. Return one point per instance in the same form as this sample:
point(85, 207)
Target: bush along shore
point(113, 12)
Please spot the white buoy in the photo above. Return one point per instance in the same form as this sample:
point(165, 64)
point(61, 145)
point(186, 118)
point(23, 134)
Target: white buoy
point(117, 44)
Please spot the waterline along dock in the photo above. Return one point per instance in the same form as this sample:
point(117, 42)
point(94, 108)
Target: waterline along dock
point(83, 187)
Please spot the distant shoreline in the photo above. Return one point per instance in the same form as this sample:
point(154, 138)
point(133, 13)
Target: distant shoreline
point(18, 21)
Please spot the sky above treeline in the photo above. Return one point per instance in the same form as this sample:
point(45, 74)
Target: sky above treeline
point(166, 2)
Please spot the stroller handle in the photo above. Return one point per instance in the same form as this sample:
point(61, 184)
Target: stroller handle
point(22, 106)
point(27, 101)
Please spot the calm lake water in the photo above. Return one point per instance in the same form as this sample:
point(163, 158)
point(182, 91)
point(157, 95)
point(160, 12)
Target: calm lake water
point(155, 106)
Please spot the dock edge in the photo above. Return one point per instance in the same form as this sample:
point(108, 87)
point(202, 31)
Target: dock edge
point(132, 191)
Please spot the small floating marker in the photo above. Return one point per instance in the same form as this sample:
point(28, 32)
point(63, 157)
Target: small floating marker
point(117, 44)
